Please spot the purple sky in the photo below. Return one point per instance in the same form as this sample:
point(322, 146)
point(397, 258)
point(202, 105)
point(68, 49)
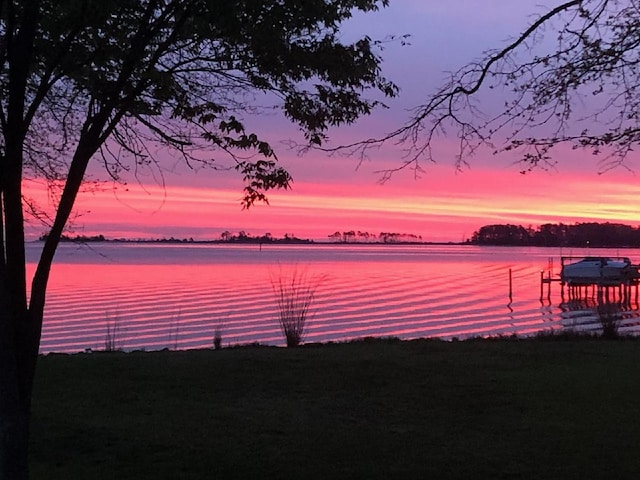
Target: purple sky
point(442, 205)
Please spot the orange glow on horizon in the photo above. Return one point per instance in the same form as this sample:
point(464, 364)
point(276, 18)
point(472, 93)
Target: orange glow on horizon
point(444, 206)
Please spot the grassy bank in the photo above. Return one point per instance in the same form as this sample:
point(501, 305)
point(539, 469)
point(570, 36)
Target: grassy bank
point(427, 409)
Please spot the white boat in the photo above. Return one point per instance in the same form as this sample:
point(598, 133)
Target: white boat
point(598, 270)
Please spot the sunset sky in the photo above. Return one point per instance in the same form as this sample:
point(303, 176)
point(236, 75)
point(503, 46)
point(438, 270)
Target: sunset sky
point(341, 193)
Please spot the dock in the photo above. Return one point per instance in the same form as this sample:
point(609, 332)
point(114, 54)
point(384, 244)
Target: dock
point(622, 288)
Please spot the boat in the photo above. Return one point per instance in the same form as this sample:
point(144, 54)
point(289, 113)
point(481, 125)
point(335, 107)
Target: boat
point(598, 270)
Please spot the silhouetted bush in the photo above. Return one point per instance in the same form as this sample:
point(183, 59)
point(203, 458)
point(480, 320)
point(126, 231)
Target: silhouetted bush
point(609, 317)
point(113, 336)
point(217, 336)
point(294, 292)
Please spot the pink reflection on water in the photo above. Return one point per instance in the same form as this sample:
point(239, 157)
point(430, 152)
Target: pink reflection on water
point(176, 296)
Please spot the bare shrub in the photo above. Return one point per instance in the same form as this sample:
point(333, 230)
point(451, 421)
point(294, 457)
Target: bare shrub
point(174, 330)
point(294, 292)
point(113, 336)
point(609, 318)
point(217, 336)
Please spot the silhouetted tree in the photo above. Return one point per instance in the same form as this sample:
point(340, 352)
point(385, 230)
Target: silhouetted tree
point(115, 80)
point(551, 235)
point(336, 236)
point(349, 236)
point(389, 237)
point(588, 234)
point(579, 88)
point(501, 235)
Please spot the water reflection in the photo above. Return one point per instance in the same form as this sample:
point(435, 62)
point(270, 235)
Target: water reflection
point(606, 310)
point(177, 296)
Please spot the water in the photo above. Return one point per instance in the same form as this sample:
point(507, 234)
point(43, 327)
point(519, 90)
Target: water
point(175, 296)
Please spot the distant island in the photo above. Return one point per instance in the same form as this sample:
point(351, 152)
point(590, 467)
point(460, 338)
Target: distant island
point(585, 235)
point(591, 234)
point(242, 237)
point(225, 237)
point(353, 236)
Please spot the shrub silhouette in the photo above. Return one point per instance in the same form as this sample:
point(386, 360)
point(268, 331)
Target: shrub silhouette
point(294, 293)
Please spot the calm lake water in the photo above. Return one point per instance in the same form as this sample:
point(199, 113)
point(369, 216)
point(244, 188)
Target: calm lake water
point(174, 296)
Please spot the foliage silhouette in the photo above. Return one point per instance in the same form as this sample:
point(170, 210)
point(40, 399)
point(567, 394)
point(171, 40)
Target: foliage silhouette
point(580, 88)
point(295, 293)
point(588, 234)
point(124, 83)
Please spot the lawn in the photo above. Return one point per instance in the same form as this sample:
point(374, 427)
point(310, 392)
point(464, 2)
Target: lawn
point(372, 409)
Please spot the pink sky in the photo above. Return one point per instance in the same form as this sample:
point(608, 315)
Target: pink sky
point(331, 193)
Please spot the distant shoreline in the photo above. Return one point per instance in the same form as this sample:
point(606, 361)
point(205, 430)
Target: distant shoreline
point(311, 243)
point(580, 235)
point(308, 242)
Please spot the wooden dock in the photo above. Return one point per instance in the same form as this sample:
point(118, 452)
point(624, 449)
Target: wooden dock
point(603, 289)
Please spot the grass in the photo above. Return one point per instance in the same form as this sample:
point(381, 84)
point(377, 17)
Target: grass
point(113, 341)
point(174, 331)
point(294, 293)
point(372, 409)
point(217, 336)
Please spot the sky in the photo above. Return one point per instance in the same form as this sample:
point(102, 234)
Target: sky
point(338, 193)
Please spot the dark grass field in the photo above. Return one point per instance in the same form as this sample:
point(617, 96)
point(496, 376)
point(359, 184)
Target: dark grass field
point(534, 409)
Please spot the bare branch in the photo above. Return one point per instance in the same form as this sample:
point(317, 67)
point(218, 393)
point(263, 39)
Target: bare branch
point(525, 100)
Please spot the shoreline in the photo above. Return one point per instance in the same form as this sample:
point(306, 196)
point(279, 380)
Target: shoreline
point(543, 336)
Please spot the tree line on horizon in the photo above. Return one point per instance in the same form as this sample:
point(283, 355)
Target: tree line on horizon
point(225, 237)
point(244, 237)
point(352, 236)
point(589, 234)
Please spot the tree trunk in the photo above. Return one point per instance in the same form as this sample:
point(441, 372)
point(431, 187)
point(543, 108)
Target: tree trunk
point(14, 432)
point(21, 326)
point(14, 410)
